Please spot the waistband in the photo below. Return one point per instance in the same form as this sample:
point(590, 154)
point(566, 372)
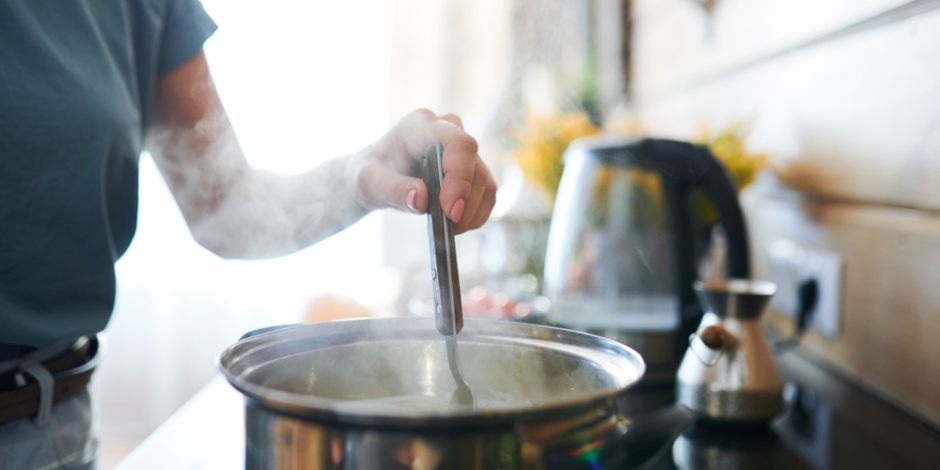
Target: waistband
point(32, 383)
point(41, 355)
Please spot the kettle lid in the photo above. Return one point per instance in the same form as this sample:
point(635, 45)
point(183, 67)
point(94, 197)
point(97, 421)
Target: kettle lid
point(734, 298)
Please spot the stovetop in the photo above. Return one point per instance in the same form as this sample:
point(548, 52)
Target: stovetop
point(828, 424)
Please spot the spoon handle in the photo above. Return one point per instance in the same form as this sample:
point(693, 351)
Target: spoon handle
point(447, 311)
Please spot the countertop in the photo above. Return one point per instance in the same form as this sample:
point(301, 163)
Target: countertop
point(830, 424)
point(206, 433)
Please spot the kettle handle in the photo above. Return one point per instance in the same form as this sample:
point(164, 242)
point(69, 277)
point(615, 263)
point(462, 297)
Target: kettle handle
point(725, 196)
point(686, 166)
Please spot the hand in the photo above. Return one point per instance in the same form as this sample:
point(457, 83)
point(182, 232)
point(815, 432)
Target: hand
point(237, 211)
point(384, 174)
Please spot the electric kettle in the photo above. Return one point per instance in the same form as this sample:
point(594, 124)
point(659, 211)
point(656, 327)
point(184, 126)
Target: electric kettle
point(620, 261)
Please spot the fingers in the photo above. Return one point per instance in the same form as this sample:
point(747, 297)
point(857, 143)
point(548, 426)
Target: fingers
point(380, 186)
point(468, 192)
point(477, 188)
point(486, 207)
point(460, 166)
point(420, 129)
point(453, 119)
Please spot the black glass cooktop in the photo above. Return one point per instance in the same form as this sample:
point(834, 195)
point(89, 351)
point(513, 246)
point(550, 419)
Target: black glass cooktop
point(829, 424)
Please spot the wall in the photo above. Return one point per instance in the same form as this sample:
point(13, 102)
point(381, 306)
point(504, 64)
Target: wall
point(846, 97)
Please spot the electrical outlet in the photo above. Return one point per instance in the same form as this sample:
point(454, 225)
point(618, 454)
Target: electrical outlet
point(791, 266)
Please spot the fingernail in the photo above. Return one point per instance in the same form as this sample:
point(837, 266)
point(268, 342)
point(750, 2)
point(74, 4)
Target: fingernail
point(456, 211)
point(410, 200)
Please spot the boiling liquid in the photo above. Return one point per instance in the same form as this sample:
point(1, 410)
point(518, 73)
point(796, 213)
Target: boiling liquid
point(484, 399)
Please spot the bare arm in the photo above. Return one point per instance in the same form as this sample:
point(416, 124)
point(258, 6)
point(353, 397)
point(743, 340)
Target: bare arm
point(238, 211)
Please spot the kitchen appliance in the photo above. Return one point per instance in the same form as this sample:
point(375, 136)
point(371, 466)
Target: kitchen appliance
point(829, 423)
point(623, 243)
point(706, 448)
point(728, 374)
point(373, 394)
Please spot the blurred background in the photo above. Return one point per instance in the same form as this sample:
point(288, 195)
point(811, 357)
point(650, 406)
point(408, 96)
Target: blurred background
point(834, 100)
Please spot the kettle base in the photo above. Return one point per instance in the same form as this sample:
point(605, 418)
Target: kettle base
point(736, 407)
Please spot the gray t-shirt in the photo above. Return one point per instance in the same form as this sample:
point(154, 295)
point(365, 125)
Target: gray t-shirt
point(77, 81)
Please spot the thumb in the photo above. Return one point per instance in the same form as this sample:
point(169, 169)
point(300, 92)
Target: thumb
point(380, 186)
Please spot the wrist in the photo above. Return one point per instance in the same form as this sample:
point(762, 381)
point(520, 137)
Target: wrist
point(350, 172)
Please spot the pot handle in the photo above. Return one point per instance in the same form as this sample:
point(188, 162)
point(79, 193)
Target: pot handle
point(711, 338)
point(268, 329)
point(643, 441)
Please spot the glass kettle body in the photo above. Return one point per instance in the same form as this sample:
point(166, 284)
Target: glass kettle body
point(610, 263)
point(621, 248)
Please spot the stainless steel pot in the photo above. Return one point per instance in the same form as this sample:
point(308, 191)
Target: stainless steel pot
point(330, 396)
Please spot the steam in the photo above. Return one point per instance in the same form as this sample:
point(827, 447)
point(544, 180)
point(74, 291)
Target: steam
point(238, 211)
point(553, 41)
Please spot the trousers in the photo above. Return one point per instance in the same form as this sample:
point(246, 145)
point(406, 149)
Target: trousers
point(67, 442)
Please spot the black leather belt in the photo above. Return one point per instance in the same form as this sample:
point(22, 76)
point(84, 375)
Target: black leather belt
point(31, 384)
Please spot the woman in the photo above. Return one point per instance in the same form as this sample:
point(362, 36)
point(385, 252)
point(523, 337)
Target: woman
point(85, 85)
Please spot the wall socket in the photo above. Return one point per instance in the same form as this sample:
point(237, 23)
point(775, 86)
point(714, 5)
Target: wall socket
point(791, 265)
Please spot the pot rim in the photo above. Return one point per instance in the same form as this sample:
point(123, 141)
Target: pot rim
point(306, 406)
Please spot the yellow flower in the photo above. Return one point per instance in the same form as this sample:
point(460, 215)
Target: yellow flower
point(742, 166)
point(728, 148)
point(543, 140)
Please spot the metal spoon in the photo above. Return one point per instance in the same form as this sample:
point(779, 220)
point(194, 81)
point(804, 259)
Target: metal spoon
point(444, 272)
point(463, 396)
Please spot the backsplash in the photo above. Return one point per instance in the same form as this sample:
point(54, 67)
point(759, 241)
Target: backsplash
point(843, 95)
point(889, 304)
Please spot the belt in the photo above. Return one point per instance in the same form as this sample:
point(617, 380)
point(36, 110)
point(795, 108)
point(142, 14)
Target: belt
point(31, 384)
